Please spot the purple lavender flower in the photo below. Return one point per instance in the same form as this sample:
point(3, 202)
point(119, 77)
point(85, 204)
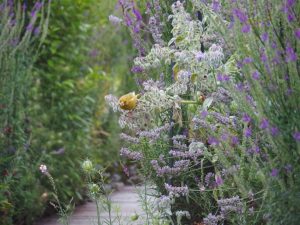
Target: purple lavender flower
point(264, 124)
point(296, 136)
point(291, 17)
point(248, 132)
point(209, 180)
point(239, 86)
point(37, 31)
point(129, 139)
point(213, 140)
point(263, 55)
point(179, 166)
point(264, 37)
point(220, 118)
point(137, 14)
point(274, 131)
point(199, 56)
point(219, 77)
point(231, 24)
point(254, 150)
point(248, 60)
point(240, 15)
point(218, 180)
point(255, 75)
point(288, 168)
point(246, 118)
point(137, 69)
point(204, 114)
point(177, 191)
point(246, 28)
point(234, 140)
point(228, 205)
point(291, 55)
point(274, 172)
point(211, 219)
point(224, 136)
point(125, 152)
point(297, 33)
point(200, 123)
point(29, 27)
point(290, 3)
point(216, 6)
point(128, 20)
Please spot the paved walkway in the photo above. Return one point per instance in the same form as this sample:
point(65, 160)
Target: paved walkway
point(126, 199)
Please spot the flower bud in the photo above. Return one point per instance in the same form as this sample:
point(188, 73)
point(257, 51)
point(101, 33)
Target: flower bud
point(87, 166)
point(94, 190)
point(134, 217)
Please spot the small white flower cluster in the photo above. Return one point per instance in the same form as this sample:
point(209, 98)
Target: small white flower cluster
point(186, 32)
point(179, 214)
point(113, 102)
point(115, 20)
point(155, 58)
point(151, 85)
point(43, 169)
point(181, 85)
point(164, 203)
point(214, 56)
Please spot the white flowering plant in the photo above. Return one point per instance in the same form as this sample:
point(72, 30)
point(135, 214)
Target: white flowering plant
point(162, 121)
point(209, 127)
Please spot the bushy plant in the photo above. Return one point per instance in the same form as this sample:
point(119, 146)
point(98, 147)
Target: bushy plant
point(214, 123)
point(23, 28)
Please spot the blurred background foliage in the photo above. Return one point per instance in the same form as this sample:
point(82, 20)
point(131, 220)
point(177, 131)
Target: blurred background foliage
point(58, 116)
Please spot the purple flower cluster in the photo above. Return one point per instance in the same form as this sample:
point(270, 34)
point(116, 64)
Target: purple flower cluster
point(179, 166)
point(187, 154)
point(243, 18)
point(177, 191)
point(287, 8)
point(200, 123)
point(222, 96)
point(220, 118)
point(223, 77)
point(228, 205)
point(125, 152)
point(155, 133)
point(179, 145)
point(296, 136)
point(134, 21)
point(209, 180)
point(129, 139)
point(211, 219)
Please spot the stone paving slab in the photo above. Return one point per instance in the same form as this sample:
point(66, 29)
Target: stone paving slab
point(126, 199)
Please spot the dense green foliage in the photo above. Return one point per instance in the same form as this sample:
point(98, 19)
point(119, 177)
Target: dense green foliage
point(52, 101)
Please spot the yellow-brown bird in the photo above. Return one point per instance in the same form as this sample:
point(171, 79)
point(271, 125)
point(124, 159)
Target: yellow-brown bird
point(128, 101)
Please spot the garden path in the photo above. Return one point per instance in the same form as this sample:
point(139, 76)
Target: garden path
point(126, 200)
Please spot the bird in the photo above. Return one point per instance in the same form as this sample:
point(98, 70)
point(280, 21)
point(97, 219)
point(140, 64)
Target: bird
point(128, 101)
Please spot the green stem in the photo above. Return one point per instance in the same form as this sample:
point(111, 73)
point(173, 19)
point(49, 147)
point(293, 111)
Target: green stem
point(189, 102)
point(109, 209)
point(98, 212)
